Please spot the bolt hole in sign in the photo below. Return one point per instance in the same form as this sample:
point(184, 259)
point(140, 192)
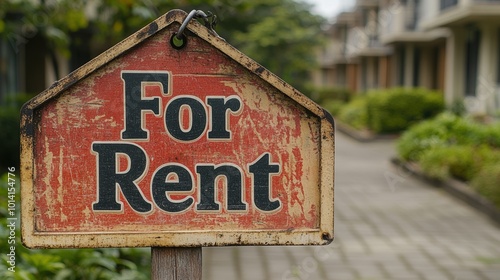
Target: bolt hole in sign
point(153, 146)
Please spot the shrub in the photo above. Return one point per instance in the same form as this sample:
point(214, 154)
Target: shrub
point(333, 106)
point(354, 113)
point(396, 109)
point(450, 145)
point(491, 135)
point(439, 163)
point(487, 182)
point(461, 162)
point(109, 263)
point(322, 95)
point(446, 130)
point(420, 138)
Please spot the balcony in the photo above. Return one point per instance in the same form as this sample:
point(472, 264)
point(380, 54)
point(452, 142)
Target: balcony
point(400, 23)
point(336, 50)
point(450, 13)
point(363, 37)
point(333, 53)
point(361, 42)
point(445, 4)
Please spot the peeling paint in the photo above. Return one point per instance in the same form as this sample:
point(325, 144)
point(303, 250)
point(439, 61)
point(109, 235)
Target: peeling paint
point(89, 106)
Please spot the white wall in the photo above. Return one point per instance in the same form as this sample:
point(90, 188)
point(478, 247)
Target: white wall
point(428, 10)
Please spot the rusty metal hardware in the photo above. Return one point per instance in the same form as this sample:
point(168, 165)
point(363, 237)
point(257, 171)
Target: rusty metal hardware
point(209, 19)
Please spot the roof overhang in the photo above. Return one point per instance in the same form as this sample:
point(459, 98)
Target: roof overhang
point(421, 37)
point(457, 16)
point(371, 52)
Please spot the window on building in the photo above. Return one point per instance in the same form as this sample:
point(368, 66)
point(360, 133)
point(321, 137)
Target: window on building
point(471, 60)
point(364, 74)
point(344, 38)
point(445, 4)
point(341, 75)
point(401, 65)
point(498, 57)
point(364, 17)
point(435, 70)
point(416, 67)
point(412, 14)
point(324, 77)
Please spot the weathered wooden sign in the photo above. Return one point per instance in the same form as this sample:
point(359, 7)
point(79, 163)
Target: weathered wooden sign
point(152, 144)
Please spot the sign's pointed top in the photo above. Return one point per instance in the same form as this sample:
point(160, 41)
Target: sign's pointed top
point(176, 18)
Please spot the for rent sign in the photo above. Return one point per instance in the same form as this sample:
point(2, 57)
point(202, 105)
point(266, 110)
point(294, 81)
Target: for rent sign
point(155, 145)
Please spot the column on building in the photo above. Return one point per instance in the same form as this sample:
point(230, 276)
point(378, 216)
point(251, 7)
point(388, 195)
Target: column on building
point(487, 88)
point(455, 62)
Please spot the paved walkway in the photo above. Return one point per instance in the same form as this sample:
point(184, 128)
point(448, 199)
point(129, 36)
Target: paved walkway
point(387, 226)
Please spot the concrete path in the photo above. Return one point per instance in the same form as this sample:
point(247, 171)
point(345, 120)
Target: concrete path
point(387, 226)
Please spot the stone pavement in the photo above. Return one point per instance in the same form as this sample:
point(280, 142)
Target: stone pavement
point(387, 226)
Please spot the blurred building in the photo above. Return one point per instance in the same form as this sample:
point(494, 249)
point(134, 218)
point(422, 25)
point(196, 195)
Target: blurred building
point(337, 68)
point(29, 63)
point(448, 45)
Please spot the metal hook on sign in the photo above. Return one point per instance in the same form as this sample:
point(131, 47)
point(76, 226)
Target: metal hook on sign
point(179, 39)
point(198, 14)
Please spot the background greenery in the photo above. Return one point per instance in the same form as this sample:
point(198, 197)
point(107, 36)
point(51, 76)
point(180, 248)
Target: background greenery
point(280, 34)
point(458, 147)
point(124, 263)
point(443, 144)
point(386, 110)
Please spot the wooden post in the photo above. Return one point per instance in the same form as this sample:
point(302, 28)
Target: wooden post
point(175, 263)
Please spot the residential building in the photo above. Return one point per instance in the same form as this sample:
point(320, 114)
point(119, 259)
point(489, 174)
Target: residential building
point(338, 70)
point(472, 49)
point(449, 45)
point(365, 47)
point(29, 63)
point(418, 56)
point(326, 76)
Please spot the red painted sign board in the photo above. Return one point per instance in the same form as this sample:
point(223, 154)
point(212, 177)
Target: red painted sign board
point(151, 145)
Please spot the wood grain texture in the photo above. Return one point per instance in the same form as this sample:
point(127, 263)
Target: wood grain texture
point(176, 263)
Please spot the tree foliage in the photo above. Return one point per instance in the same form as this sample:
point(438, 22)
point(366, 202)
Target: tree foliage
point(280, 34)
point(283, 40)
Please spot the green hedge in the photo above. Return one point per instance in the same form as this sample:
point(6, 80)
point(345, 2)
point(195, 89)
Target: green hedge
point(321, 95)
point(459, 161)
point(392, 110)
point(487, 182)
point(443, 131)
point(452, 146)
point(110, 263)
point(333, 106)
point(354, 113)
point(396, 109)
point(332, 99)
